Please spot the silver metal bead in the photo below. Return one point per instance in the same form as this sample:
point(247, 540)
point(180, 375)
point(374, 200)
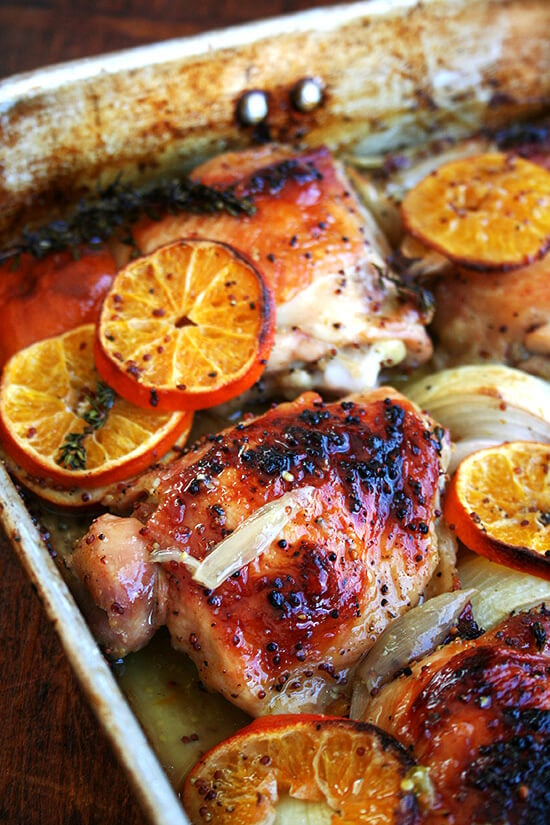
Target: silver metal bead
point(307, 94)
point(252, 107)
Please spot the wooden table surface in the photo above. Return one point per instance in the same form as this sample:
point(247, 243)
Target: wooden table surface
point(56, 767)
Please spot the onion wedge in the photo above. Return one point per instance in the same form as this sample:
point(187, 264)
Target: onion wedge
point(485, 405)
point(408, 638)
point(498, 590)
point(248, 541)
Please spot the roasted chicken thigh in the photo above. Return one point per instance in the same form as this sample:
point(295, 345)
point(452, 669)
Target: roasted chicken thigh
point(501, 317)
point(358, 482)
point(341, 313)
point(476, 714)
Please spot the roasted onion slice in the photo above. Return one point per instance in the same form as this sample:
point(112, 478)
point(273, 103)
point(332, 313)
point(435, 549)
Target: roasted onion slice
point(407, 639)
point(484, 405)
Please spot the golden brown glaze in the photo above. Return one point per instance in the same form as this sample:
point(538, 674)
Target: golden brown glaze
point(325, 260)
point(305, 217)
point(45, 297)
point(477, 714)
point(283, 631)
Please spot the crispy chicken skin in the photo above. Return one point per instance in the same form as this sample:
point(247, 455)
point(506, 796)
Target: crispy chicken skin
point(281, 633)
point(339, 314)
point(477, 714)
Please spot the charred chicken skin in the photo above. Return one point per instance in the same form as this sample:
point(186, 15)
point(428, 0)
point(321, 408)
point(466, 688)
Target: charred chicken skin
point(281, 633)
point(476, 713)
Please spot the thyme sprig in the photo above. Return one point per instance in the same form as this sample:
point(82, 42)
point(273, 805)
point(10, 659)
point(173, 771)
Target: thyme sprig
point(119, 205)
point(72, 453)
point(100, 403)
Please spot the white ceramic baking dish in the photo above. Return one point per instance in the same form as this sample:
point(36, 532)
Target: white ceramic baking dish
point(390, 73)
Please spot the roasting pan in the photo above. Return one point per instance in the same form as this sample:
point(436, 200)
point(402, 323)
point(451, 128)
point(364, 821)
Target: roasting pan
point(391, 74)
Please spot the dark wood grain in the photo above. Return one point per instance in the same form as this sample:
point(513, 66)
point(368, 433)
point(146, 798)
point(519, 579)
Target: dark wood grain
point(56, 767)
point(34, 34)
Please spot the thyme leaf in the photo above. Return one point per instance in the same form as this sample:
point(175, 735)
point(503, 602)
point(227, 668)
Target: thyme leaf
point(100, 404)
point(72, 453)
point(120, 205)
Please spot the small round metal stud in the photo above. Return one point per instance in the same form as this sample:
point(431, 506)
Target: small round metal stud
point(252, 107)
point(307, 94)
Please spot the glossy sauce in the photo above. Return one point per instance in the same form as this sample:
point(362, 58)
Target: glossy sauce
point(304, 217)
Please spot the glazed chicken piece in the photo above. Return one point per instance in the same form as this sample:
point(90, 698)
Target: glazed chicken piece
point(357, 549)
point(476, 713)
point(502, 317)
point(340, 315)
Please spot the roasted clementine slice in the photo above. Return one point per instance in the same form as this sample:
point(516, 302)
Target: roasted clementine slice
point(76, 497)
point(187, 327)
point(357, 770)
point(499, 504)
point(60, 422)
point(488, 212)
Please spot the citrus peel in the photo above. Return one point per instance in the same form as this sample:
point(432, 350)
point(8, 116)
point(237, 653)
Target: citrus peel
point(486, 212)
point(53, 424)
point(498, 502)
point(359, 771)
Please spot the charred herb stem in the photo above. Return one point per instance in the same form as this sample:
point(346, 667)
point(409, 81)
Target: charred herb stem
point(120, 205)
point(100, 404)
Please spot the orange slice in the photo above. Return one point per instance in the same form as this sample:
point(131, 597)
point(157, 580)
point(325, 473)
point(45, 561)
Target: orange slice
point(59, 422)
point(77, 498)
point(489, 212)
point(356, 769)
point(187, 327)
point(499, 504)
